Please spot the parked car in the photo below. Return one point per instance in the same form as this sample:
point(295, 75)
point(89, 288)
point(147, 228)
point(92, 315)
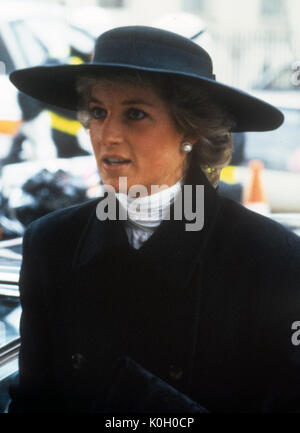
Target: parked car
point(10, 311)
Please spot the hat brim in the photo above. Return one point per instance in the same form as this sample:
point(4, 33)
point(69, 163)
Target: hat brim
point(56, 85)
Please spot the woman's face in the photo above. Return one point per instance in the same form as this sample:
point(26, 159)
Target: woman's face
point(134, 136)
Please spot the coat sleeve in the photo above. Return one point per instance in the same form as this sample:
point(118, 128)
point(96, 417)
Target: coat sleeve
point(34, 390)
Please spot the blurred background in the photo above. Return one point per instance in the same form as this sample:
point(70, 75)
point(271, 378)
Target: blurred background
point(45, 155)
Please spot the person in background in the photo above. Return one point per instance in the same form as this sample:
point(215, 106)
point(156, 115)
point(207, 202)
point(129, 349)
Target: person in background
point(51, 131)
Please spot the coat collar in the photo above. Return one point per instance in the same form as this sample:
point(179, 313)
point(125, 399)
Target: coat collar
point(171, 249)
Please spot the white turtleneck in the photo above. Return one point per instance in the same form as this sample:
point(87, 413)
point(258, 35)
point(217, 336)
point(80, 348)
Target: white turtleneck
point(146, 213)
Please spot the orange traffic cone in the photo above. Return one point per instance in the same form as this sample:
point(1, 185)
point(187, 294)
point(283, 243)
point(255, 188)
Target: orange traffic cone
point(255, 197)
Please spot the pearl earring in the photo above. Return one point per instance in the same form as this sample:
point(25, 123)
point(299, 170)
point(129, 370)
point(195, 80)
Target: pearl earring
point(186, 147)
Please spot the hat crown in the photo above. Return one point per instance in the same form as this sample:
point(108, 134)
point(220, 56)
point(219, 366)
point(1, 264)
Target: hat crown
point(152, 48)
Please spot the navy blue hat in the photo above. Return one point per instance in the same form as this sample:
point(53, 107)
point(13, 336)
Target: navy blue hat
point(147, 49)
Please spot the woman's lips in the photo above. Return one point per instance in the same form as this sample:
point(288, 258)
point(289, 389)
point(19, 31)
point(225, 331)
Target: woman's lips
point(115, 163)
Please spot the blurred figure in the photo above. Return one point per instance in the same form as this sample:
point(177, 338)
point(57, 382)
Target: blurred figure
point(48, 131)
point(34, 131)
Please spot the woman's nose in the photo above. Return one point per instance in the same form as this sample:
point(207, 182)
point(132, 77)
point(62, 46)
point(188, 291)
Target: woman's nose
point(112, 131)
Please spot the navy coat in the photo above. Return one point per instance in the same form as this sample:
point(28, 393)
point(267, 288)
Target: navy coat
point(191, 320)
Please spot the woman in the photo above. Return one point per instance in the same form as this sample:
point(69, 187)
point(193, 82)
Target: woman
point(149, 309)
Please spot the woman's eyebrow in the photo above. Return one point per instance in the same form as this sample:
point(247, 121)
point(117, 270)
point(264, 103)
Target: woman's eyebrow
point(136, 102)
point(91, 99)
point(126, 102)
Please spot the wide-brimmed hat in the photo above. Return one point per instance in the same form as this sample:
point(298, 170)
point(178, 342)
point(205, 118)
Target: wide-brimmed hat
point(147, 49)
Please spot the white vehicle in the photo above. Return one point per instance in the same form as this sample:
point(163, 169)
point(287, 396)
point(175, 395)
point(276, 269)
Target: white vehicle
point(30, 33)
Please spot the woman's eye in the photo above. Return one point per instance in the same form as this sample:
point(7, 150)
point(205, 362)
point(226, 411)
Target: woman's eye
point(97, 112)
point(135, 114)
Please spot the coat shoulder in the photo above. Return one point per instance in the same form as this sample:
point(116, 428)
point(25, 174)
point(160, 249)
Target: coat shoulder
point(63, 219)
point(249, 229)
point(58, 232)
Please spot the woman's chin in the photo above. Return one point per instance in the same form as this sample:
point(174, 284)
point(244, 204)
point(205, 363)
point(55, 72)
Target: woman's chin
point(118, 184)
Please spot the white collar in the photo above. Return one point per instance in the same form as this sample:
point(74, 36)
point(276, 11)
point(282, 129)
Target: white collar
point(149, 211)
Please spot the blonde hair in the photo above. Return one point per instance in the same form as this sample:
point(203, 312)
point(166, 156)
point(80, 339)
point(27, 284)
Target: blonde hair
point(192, 108)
